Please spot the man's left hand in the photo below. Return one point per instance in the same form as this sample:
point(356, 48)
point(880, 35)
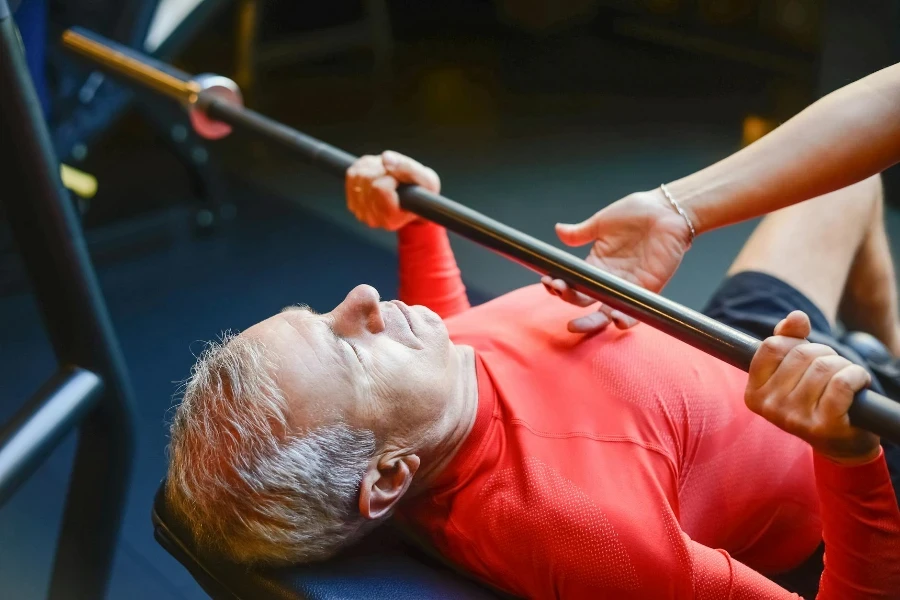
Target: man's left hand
point(806, 389)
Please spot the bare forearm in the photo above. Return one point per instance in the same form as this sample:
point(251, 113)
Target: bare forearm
point(843, 138)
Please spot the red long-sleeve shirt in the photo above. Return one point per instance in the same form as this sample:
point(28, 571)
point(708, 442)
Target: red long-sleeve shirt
point(625, 465)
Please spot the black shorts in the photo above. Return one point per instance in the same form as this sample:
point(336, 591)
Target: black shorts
point(754, 303)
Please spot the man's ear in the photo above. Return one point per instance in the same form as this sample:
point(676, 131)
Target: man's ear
point(384, 483)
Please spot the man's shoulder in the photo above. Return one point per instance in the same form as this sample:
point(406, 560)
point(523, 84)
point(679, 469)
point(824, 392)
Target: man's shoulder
point(531, 512)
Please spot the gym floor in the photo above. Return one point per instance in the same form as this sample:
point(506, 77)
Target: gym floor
point(517, 129)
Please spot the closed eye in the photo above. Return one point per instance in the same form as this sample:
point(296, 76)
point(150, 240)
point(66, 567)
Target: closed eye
point(340, 339)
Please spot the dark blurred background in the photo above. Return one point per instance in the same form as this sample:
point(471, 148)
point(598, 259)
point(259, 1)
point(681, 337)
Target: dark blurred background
point(532, 111)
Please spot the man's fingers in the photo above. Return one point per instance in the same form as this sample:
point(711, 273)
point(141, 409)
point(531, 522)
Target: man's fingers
point(407, 170)
point(385, 190)
point(799, 359)
point(843, 385)
point(783, 393)
point(358, 182)
point(803, 399)
point(789, 333)
point(577, 234)
point(372, 192)
point(768, 358)
point(368, 169)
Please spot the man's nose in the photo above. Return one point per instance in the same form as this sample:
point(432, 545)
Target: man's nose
point(359, 312)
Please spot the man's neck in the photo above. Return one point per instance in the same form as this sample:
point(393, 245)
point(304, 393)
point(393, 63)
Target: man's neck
point(461, 410)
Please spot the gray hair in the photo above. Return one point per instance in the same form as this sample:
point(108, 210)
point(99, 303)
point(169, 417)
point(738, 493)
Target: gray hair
point(248, 487)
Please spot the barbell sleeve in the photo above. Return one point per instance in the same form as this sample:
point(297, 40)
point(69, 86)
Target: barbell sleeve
point(870, 411)
point(118, 59)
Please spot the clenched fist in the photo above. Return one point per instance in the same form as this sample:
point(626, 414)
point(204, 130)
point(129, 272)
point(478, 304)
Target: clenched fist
point(371, 186)
point(806, 389)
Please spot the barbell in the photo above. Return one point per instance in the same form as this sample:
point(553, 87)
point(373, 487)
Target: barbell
point(214, 105)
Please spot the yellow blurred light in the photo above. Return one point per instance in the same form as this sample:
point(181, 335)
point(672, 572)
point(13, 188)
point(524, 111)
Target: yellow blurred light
point(756, 127)
point(82, 184)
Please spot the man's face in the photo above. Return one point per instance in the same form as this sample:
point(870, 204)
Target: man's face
point(383, 366)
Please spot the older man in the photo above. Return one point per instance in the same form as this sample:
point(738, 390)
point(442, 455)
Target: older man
point(546, 462)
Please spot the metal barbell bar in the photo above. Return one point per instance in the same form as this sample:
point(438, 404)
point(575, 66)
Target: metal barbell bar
point(215, 106)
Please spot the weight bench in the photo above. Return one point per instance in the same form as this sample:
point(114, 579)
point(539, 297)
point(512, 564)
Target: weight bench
point(381, 566)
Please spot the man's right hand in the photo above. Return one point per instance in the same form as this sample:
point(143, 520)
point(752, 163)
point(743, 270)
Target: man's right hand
point(640, 238)
point(371, 186)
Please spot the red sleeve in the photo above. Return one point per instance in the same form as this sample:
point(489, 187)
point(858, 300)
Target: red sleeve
point(428, 272)
point(861, 529)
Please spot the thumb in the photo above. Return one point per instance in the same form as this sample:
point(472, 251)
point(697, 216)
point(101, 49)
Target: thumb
point(406, 170)
point(795, 325)
point(577, 234)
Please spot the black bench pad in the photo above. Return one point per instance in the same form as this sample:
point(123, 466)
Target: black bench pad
point(382, 566)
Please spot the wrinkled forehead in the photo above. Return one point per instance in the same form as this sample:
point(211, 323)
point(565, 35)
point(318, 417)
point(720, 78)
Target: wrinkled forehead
point(307, 366)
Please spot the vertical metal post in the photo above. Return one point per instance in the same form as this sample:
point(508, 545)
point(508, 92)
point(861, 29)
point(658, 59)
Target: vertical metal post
point(47, 232)
point(246, 38)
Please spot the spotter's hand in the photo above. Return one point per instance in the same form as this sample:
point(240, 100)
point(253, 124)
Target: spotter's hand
point(371, 186)
point(806, 389)
point(640, 238)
